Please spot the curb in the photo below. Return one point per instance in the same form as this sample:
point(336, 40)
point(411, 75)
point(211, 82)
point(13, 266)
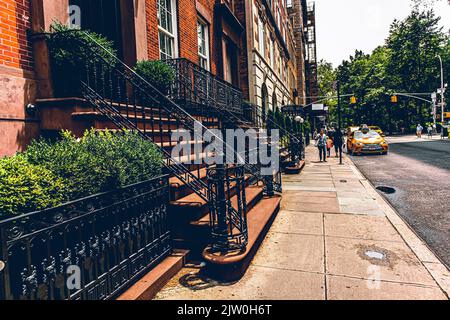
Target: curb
point(426, 256)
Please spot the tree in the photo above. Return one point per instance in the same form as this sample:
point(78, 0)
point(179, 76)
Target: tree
point(407, 62)
point(326, 76)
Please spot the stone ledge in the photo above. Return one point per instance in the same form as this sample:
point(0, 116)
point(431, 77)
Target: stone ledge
point(149, 285)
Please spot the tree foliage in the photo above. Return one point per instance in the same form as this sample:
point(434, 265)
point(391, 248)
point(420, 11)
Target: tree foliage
point(407, 62)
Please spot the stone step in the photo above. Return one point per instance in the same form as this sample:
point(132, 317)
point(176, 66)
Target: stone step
point(232, 266)
point(149, 285)
point(192, 207)
point(296, 169)
point(196, 235)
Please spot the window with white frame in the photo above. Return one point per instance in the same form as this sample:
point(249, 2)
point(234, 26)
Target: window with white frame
point(203, 44)
point(272, 54)
point(262, 37)
point(167, 29)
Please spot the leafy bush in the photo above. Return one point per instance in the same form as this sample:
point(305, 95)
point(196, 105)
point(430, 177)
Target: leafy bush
point(157, 73)
point(69, 50)
point(25, 187)
point(48, 174)
point(99, 161)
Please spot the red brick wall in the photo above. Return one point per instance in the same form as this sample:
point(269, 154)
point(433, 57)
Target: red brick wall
point(243, 58)
point(15, 19)
point(17, 84)
point(152, 30)
point(187, 30)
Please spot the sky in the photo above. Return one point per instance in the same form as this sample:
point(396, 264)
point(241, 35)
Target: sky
point(346, 25)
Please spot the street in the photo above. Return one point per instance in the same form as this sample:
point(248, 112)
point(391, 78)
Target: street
point(419, 171)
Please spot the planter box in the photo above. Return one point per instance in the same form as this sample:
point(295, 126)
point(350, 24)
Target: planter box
point(109, 240)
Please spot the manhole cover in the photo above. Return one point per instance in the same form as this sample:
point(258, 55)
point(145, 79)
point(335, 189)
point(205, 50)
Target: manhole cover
point(387, 190)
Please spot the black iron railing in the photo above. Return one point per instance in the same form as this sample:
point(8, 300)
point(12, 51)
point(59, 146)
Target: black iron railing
point(228, 219)
point(131, 103)
point(88, 249)
point(196, 87)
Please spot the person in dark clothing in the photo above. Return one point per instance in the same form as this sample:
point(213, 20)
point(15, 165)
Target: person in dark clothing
point(321, 143)
point(338, 140)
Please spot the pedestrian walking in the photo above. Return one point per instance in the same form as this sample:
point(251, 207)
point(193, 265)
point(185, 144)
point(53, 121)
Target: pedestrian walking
point(419, 130)
point(329, 144)
point(430, 132)
point(338, 141)
point(321, 144)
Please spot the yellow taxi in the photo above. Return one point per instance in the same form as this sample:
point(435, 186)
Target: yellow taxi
point(350, 130)
point(366, 141)
point(377, 130)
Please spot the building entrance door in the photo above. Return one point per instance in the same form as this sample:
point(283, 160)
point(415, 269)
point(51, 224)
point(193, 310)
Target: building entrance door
point(102, 17)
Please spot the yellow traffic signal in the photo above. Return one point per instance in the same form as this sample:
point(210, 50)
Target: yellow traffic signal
point(394, 99)
point(353, 100)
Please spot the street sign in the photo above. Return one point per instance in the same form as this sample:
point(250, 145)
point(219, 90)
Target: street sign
point(317, 107)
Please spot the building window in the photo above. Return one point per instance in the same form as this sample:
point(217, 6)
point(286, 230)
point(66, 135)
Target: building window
point(203, 44)
point(262, 37)
point(272, 54)
point(167, 29)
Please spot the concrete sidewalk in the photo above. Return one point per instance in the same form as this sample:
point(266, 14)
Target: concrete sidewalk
point(335, 238)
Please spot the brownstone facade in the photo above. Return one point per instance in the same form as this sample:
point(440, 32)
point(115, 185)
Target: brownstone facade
point(228, 37)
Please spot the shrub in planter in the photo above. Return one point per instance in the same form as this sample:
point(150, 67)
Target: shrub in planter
point(158, 73)
point(26, 187)
point(99, 161)
point(69, 50)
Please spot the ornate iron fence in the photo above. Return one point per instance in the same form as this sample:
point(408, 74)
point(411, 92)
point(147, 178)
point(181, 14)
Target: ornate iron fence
point(228, 219)
point(197, 87)
point(110, 238)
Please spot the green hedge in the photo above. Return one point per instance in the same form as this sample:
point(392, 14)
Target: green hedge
point(25, 187)
point(48, 173)
point(157, 73)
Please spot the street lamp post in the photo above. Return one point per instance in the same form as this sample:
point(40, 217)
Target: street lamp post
point(442, 91)
point(301, 121)
point(338, 88)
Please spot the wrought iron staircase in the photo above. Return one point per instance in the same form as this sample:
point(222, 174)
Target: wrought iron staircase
point(130, 102)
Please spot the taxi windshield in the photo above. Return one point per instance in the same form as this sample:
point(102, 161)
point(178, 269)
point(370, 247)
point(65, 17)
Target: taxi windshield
point(369, 135)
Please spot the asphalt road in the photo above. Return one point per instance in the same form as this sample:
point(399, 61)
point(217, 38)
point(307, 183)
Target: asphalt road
point(419, 170)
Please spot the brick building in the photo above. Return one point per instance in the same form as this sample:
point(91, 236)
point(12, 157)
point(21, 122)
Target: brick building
point(256, 46)
point(221, 51)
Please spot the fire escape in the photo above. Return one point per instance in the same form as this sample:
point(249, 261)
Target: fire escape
point(312, 90)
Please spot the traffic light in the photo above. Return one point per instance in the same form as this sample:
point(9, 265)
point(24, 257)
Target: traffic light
point(394, 99)
point(352, 100)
